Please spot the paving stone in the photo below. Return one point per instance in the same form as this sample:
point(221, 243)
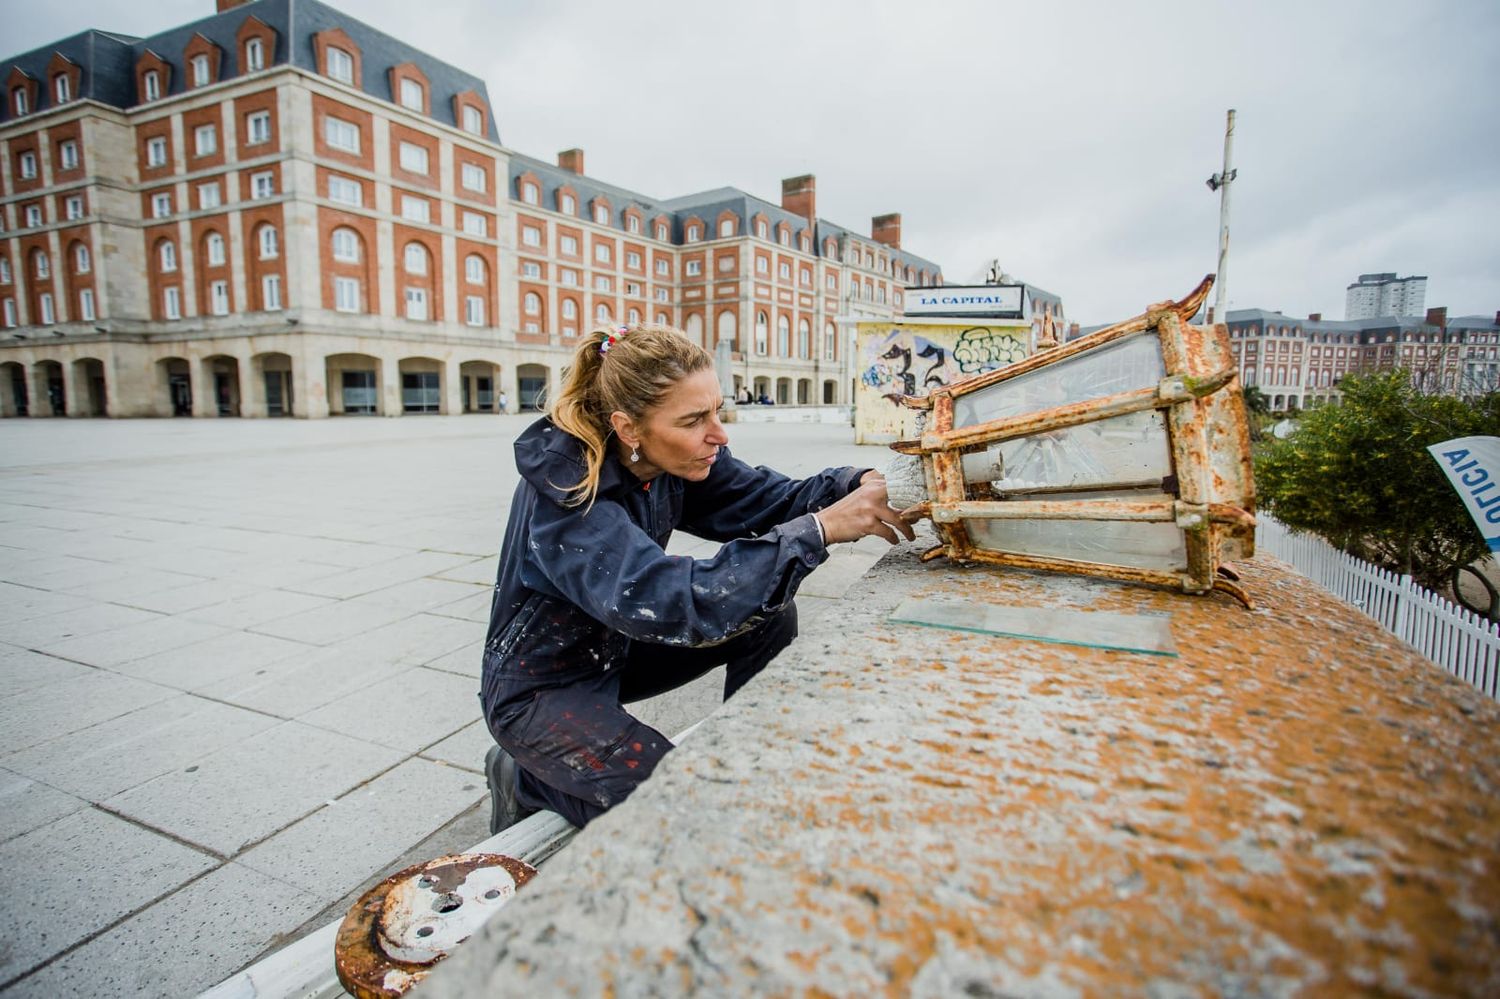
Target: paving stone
point(247, 791)
point(328, 624)
point(66, 572)
point(26, 804)
point(53, 629)
point(465, 748)
point(135, 641)
point(350, 839)
point(467, 661)
point(55, 709)
point(202, 665)
point(298, 684)
point(23, 603)
point(130, 588)
point(109, 868)
point(382, 574)
point(185, 943)
point(189, 596)
point(112, 756)
point(259, 607)
point(22, 670)
point(474, 607)
point(426, 594)
point(408, 711)
point(480, 570)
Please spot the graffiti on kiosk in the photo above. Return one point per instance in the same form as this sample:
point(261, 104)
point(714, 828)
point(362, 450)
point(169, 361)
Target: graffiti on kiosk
point(900, 368)
point(980, 349)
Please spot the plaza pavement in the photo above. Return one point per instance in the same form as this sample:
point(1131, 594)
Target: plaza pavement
point(238, 673)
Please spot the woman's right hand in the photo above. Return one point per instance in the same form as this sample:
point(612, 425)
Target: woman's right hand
point(863, 512)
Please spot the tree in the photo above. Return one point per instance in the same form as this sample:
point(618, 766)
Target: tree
point(1359, 474)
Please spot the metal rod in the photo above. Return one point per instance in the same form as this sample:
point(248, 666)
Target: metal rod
point(1221, 289)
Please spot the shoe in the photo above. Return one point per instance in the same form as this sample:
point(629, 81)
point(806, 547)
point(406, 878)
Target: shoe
point(500, 773)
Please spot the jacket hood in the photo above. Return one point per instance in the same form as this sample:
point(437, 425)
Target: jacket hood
point(552, 461)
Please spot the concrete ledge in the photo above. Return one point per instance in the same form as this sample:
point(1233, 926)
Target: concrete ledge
point(1297, 804)
point(839, 415)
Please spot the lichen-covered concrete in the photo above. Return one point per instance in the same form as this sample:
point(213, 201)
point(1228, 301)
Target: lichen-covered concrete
point(1298, 804)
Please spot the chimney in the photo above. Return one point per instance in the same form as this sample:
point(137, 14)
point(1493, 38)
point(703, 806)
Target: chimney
point(1497, 317)
point(1438, 317)
point(799, 195)
point(1315, 317)
point(887, 229)
point(571, 160)
point(224, 5)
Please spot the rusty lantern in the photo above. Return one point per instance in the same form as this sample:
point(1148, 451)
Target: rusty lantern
point(1123, 454)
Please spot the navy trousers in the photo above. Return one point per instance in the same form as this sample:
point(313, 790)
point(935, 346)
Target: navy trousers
point(579, 752)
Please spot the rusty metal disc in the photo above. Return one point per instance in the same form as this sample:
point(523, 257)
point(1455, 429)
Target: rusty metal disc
point(400, 928)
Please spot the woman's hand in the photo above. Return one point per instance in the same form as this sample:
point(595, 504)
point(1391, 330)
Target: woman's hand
point(864, 512)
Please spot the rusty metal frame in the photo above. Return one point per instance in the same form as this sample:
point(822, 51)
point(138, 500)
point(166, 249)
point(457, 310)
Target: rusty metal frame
point(1210, 497)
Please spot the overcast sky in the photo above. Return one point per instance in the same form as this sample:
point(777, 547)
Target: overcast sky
point(1069, 140)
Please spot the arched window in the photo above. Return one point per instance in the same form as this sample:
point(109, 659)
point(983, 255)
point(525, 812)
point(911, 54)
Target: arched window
point(255, 55)
point(602, 313)
point(167, 254)
point(830, 339)
point(415, 257)
point(346, 245)
point(761, 332)
point(532, 304)
point(152, 81)
point(214, 245)
point(804, 338)
point(81, 262)
point(270, 242)
point(726, 228)
point(783, 336)
point(41, 264)
point(694, 328)
point(662, 320)
point(633, 317)
point(728, 327)
point(569, 309)
point(474, 269)
point(567, 205)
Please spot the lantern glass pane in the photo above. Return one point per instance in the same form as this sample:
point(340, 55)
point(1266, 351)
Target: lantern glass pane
point(1138, 544)
point(1121, 449)
point(1131, 363)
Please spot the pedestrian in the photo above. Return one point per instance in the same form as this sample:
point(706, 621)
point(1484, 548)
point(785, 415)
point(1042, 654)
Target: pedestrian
point(589, 611)
point(504, 402)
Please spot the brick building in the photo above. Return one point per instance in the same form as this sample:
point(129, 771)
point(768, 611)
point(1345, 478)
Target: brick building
point(279, 210)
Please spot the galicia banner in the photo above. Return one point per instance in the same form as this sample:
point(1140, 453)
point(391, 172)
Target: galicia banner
point(1472, 464)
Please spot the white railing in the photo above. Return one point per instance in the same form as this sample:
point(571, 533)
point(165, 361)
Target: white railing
point(1462, 642)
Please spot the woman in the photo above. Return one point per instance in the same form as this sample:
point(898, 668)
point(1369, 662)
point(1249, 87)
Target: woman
point(590, 613)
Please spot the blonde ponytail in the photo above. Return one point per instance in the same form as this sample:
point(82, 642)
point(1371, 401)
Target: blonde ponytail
point(631, 375)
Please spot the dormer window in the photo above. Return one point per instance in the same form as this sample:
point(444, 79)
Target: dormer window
point(340, 65)
point(62, 89)
point(760, 228)
point(255, 55)
point(473, 120)
point(153, 85)
point(529, 194)
point(20, 101)
point(661, 231)
point(726, 228)
point(412, 96)
point(601, 215)
point(567, 205)
point(200, 70)
point(694, 234)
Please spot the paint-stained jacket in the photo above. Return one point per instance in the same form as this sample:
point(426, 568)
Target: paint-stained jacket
point(577, 584)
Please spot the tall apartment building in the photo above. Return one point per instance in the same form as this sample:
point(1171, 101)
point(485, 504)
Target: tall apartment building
point(279, 210)
point(1376, 295)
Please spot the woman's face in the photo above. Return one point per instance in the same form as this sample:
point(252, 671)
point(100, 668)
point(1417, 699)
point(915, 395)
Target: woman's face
point(682, 435)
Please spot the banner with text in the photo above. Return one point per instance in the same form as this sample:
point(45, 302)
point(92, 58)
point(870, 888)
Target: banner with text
point(1472, 464)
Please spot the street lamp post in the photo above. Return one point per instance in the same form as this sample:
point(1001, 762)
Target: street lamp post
point(1220, 182)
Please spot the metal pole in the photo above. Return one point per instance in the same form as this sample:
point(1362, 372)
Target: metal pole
point(1221, 282)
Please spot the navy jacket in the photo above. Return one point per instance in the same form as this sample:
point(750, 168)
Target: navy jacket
point(577, 584)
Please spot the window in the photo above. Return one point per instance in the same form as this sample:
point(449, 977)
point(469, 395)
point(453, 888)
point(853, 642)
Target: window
point(804, 339)
point(632, 224)
point(568, 245)
point(262, 185)
point(205, 140)
point(33, 216)
point(661, 295)
point(340, 65)
point(156, 151)
point(20, 101)
point(474, 310)
point(270, 292)
point(415, 257)
point(414, 209)
point(161, 205)
point(694, 233)
point(601, 253)
point(73, 207)
point(601, 215)
point(10, 313)
point(661, 231)
point(726, 263)
point(532, 303)
point(567, 205)
point(153, 86)
point(4, 270)
point(48, 316)
point(270, 242)
point(62, 88)
point(208, 196)
point(416, 303)
point(662, 267)
point(632, 289)
point(531, 270)
point(530, 194)
point(412, 96)
point(215, 245)
point(603, 283)
point(569, 309)
point(258, 128)
point(633, 317)
point(693, 268)
point(168, 255)
point(345, 191)
point(568, 276)
point(81, 262)
point(218, 295)
point(784, 271)
point(28, 165)
point(67, 155)
point(476, 224)
point(172, 303)
point(200, 70)
point(829, 338)
point(726, 228)
point(474, 269)
point(473, 121)
point(831, 282)
point(783, 337)
point(805, 277)
point(784, 236)
point(760, 228)
point(531, 235)
point(86, 305)
point(601, 313)
point(345, 294)
point(341, 134)
point(346, 245)
point(662, 320)
point(760, 332)
point(762, 265)
point(472, 177)
point(255, 55)
point(413, 158)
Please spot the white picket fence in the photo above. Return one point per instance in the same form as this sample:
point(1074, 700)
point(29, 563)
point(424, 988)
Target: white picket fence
point(1462, 642)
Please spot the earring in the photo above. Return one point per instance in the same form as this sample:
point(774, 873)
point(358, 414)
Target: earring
point(635, 455)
